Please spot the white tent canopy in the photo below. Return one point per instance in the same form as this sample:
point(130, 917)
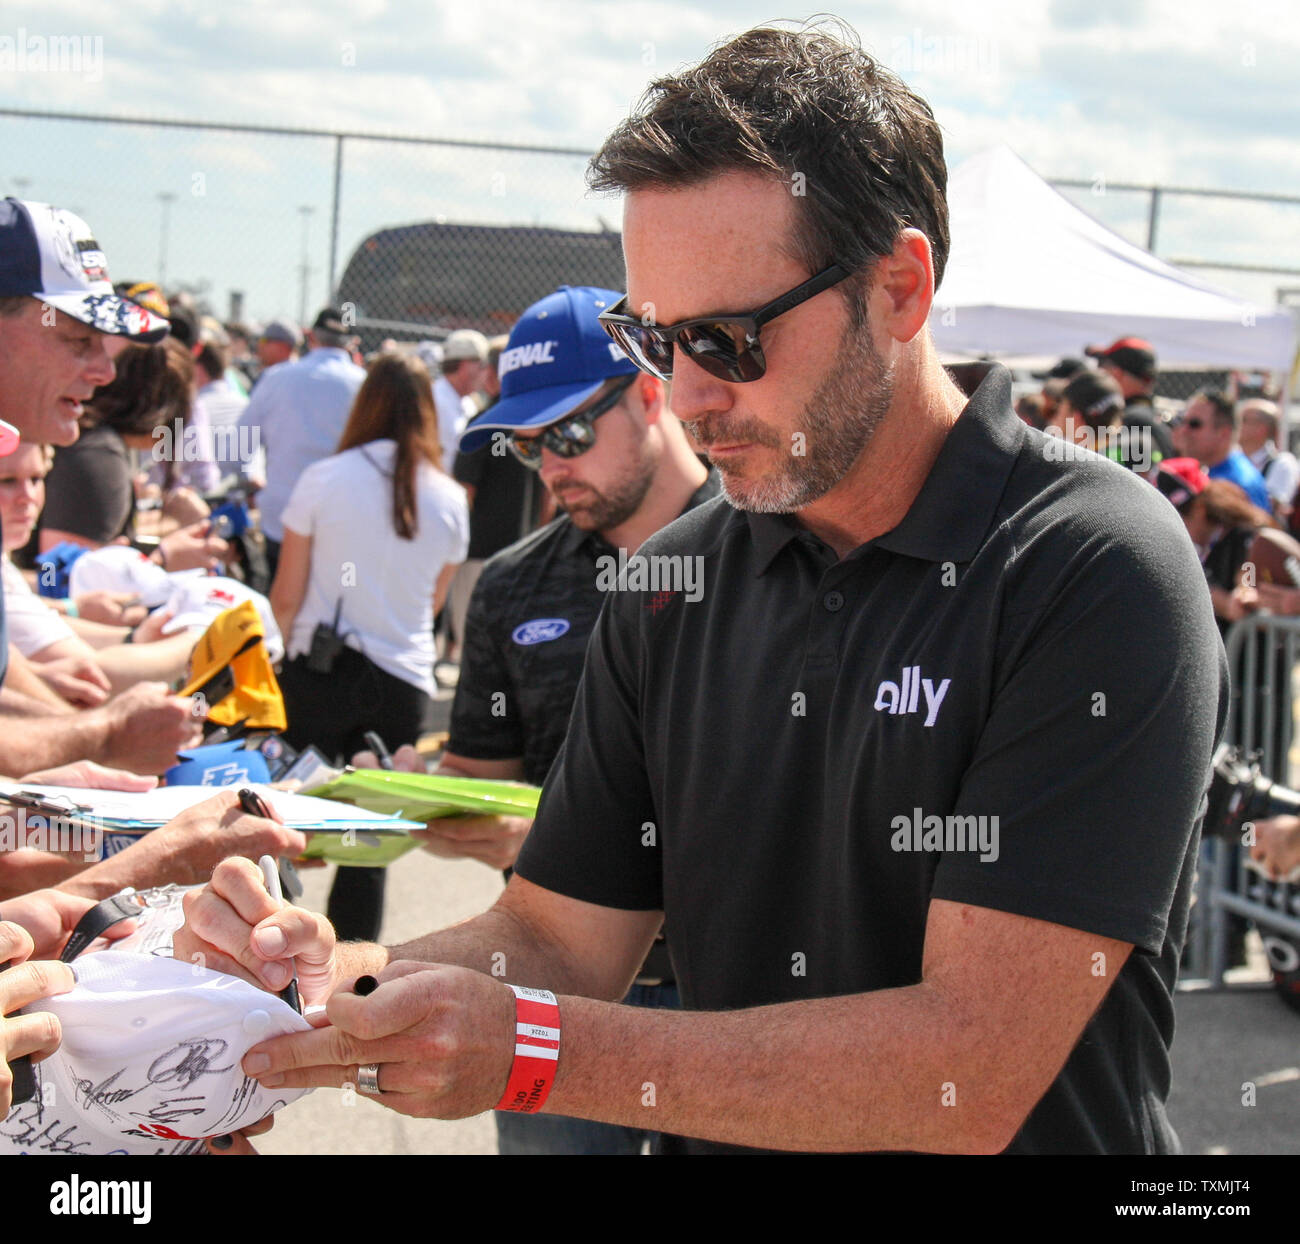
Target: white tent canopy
point(1032, 276)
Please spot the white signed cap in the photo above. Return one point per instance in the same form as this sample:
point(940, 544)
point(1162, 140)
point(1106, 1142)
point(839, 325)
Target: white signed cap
point(119, 568)
point(150, 1060)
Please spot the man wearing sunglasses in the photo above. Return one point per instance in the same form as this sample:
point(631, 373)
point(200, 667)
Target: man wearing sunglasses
point(1208, 432)
point(888, 781)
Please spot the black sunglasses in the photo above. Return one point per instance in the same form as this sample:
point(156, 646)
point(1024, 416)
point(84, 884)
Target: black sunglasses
point(725, 346)
point(572, 435)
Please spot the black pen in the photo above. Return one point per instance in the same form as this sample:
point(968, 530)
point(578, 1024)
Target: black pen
point(376, 745)
point(252, 803)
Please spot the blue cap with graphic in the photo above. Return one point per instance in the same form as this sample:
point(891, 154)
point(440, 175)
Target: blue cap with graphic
point(218, 764)
point(558, 356)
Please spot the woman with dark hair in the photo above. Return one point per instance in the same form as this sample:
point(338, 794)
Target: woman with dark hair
point(372, 537)
point(90, 490)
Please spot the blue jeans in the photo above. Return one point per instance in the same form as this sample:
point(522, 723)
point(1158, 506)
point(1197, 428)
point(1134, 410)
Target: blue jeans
point(554, 1133)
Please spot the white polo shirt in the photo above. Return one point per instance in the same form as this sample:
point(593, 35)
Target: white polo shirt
point(382, 584)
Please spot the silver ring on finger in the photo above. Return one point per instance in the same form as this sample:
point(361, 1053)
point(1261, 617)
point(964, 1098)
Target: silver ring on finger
point(368, 1079)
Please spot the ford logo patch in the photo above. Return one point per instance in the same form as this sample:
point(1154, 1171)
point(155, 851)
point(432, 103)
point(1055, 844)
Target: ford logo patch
point(539, 630)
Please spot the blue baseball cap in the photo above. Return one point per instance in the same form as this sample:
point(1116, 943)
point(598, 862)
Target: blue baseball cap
point(557, 357)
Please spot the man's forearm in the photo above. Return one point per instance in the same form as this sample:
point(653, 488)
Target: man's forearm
point(29, 744)
point(891, 1070)
point(21, 872)
point(143, 865)
point(496, 943)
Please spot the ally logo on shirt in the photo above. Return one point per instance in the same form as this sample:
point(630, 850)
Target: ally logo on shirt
point(903, 697)
point(539, 631)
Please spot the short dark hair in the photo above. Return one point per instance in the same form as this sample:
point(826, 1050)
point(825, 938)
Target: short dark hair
point(807, 104)
point(1096, 396)
point(13, 304)
point(212, 358)
point(1225, 410)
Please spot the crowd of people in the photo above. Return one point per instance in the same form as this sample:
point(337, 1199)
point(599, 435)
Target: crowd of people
point(708, 899)
point(1221, 455)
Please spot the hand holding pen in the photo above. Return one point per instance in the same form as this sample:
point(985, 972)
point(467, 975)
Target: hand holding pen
point(252, 803)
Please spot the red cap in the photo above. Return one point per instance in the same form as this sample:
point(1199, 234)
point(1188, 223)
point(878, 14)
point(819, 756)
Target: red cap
point(1130, 354)
point(1180, 479)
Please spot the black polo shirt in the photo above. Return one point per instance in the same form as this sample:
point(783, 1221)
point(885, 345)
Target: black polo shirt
point(1033, 642)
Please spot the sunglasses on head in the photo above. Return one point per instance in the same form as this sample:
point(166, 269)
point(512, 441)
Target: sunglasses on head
point(572, 435)
point(725, 346)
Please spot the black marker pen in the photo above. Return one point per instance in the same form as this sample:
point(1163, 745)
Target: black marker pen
point(253, 803)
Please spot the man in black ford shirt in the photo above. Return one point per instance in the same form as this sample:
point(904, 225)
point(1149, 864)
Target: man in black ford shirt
point(626, 470)
point(888, 778)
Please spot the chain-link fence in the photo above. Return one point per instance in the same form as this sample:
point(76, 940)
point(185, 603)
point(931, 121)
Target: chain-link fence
point(420, 235)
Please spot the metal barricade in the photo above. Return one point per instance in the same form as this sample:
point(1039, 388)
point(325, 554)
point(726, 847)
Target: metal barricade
point(1262, 652)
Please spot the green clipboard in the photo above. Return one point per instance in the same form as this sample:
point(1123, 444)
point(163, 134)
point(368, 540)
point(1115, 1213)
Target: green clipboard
point(415, 797)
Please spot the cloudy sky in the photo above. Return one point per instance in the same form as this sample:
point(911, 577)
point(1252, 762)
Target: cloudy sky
point(1185, 93)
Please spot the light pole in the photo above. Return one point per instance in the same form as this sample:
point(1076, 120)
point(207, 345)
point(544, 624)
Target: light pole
point(304, 268)
point(166, 198)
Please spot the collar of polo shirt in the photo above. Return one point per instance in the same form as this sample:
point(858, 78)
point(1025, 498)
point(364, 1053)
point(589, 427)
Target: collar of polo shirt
point(957, 503)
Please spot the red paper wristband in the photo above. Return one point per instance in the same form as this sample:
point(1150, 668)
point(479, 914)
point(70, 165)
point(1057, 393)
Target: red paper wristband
point(537, 1050)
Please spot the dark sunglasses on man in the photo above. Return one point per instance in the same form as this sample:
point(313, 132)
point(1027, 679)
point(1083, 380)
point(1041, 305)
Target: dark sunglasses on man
point(725, 346)
point(572, 435)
